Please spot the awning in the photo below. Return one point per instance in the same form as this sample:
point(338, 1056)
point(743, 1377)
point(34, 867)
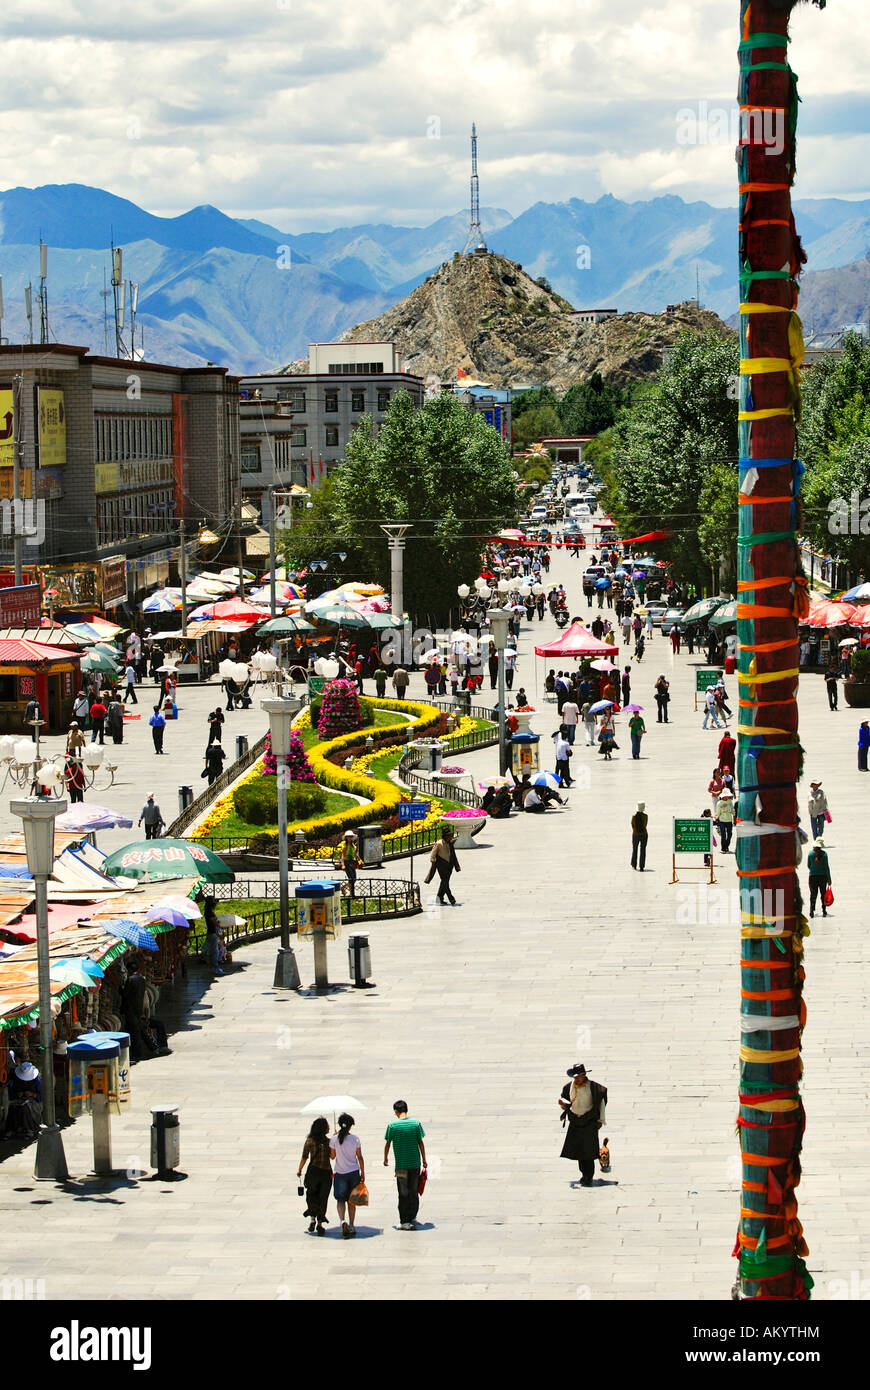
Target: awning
point(576, 641)
point(648, 536)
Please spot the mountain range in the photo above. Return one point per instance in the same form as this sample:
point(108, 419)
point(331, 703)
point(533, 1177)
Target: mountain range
point(249, 296)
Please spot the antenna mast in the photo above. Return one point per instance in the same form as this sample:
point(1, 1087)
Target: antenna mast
point(475, 241)
point(43, 292)
point(119, 294)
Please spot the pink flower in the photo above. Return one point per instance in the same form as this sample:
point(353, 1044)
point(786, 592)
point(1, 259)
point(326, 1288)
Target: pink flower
point(464, 813)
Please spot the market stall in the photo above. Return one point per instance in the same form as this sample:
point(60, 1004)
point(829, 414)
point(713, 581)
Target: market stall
point(37, 671)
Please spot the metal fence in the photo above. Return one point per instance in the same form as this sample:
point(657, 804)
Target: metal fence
point(374, 899)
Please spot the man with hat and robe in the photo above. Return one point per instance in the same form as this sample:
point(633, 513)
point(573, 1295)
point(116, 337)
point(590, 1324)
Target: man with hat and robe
point(583, 1103)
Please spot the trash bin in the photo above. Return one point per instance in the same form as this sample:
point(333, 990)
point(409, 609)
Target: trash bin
point(730, 665)
point(165, 1138)
point(241, 746)
point(371, 845)
point(185, 797)
point(431, 754)
point(359, 960)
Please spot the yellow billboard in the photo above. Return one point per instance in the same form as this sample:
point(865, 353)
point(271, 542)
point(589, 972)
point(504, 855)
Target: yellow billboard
point(107, 477)
point(7, 429)
point(52, 429)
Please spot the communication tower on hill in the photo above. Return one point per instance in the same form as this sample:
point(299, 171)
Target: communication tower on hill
point(475, 241)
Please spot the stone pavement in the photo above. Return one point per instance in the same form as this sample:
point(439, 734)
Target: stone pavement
point(558, 953)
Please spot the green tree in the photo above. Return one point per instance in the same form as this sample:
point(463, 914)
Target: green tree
point(539, 423)
point(590, 406)
point(833, 441)
point(439, 468)
point(531, 399)
point(678, 428)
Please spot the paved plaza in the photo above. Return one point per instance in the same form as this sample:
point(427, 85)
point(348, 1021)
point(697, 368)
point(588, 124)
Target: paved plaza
point(558, 953)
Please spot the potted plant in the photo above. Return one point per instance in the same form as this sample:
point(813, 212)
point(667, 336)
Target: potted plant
point(465, 822)
point(523, 715)
point(452, 773)
point(856, 687)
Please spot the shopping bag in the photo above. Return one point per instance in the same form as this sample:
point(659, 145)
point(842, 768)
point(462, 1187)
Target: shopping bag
point(829, 896)
point(360, 1196)
point(604, 1157)
point(421, 1185)
point(828, 817)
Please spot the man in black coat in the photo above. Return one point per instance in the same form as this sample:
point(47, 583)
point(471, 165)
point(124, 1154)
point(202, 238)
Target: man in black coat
point(583, 1103)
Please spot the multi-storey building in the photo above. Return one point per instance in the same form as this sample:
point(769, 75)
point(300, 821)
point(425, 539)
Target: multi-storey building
point(117, 453)
point(295, 427)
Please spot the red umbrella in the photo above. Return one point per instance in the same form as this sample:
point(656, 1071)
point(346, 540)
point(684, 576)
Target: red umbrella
point(826, 613)
point(233, 610)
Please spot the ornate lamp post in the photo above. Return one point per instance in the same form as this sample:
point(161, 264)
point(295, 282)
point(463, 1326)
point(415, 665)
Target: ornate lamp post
point(281, 711)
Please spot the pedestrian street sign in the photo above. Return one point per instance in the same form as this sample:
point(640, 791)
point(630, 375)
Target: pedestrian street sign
point(693, 836)
point(315, 686)
point(705, 679)
point(414, 810)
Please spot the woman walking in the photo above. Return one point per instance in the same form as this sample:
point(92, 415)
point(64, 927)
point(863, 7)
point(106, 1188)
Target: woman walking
point(318, 1175)
point(443, 860)
point(820, 876)
point(662, 689)
point(818, 808)
point(606, 736)
point(350, 1171)
point(637, 729)
point(115, 720)
point(212, 936)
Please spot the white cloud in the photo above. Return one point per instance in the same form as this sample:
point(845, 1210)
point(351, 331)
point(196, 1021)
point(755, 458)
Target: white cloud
point(311, 116)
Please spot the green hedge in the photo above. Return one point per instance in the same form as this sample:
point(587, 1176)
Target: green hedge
point(257, 802)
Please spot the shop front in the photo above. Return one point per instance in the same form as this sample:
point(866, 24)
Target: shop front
point(35, 671)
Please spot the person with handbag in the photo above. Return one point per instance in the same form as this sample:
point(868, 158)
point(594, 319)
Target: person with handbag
point(820, 877)
point(662, 691)
point(443, 861)
point(409, 1154)
point(583, 1103)
point(350, 1171)
point(818, 809)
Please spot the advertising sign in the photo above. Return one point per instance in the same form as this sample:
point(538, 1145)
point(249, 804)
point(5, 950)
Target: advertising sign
point(693, 836)
point(49, 483)
point(20, 606)
point(52, 429)
point(704, 680)
point(114, 581)
point(78, 586)
point(25, 482)
point(7, 430)
point(107, 477)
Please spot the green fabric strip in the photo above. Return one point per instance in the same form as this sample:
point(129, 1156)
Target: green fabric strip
point(765, 538)
point(765, 275)
point(764, 67)
point(763, 41)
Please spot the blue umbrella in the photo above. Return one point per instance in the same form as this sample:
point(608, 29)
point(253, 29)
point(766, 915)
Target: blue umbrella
point(600, 705)
point(14, 871)
point(619, 572)
point(603, 582)
point(125, 930)
point(546, 779)
point(76, 970)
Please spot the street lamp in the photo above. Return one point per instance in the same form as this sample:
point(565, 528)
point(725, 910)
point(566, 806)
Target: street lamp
point(463, 591)
point(281, 711)
point(38, 816)
point(395, 533)
point(499, 619)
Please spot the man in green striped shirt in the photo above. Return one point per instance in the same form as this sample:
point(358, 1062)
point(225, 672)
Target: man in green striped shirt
point(406, 1137)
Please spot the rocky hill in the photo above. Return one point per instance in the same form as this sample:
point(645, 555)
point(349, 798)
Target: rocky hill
point(484, 315)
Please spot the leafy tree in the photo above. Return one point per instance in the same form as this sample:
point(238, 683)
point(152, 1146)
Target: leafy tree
point(679, 427)
point(717, 528)
point(531, 399)
point(441, 469)
point(590, 407)
point(535, 424)
point(834, 440)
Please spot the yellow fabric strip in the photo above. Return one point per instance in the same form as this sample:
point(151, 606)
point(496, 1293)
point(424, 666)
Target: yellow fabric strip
point(750, 729)
point(759, 934)
point(764, 414)
point(758, 1054)
point(751, 366)
point(775, 1107)
point(765, 680)
point(765, 308)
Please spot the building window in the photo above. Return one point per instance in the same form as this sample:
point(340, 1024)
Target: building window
point(330, 402)
point(332, 436)
point(298, 437)
point(357, 400)
point(250, 458)
point(383, 400)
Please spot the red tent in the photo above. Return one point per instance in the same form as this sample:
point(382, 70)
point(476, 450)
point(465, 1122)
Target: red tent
point(576, 641)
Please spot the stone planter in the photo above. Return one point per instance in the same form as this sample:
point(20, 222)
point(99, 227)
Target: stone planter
point(453, 778)
point(464, 827)
point(857, 694)
point(524, 720)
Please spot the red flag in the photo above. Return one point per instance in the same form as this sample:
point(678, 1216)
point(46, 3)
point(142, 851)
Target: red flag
point(311, 461)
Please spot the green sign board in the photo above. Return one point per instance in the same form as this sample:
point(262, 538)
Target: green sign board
point(705, 679)
point(315, 686)
point(693, 836)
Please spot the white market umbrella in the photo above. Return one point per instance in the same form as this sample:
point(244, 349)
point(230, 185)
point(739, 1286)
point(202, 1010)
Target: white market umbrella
point(321, 1105)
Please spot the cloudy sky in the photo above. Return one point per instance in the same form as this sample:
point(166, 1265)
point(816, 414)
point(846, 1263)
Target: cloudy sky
point(312, 115)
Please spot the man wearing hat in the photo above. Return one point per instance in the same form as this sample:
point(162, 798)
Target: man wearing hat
point(349, 855)
point(818, 805)
point(725, 817)
point(153, 818)
point(582, 1102)
point(639, 835)
point(25, 1100)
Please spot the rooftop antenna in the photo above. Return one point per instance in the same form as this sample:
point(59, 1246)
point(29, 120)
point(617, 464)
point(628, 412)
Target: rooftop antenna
point(43, 292)
point(28, 309)
point(119, 291)
point(475, 241)
point(104, 292)
point(134, 307)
